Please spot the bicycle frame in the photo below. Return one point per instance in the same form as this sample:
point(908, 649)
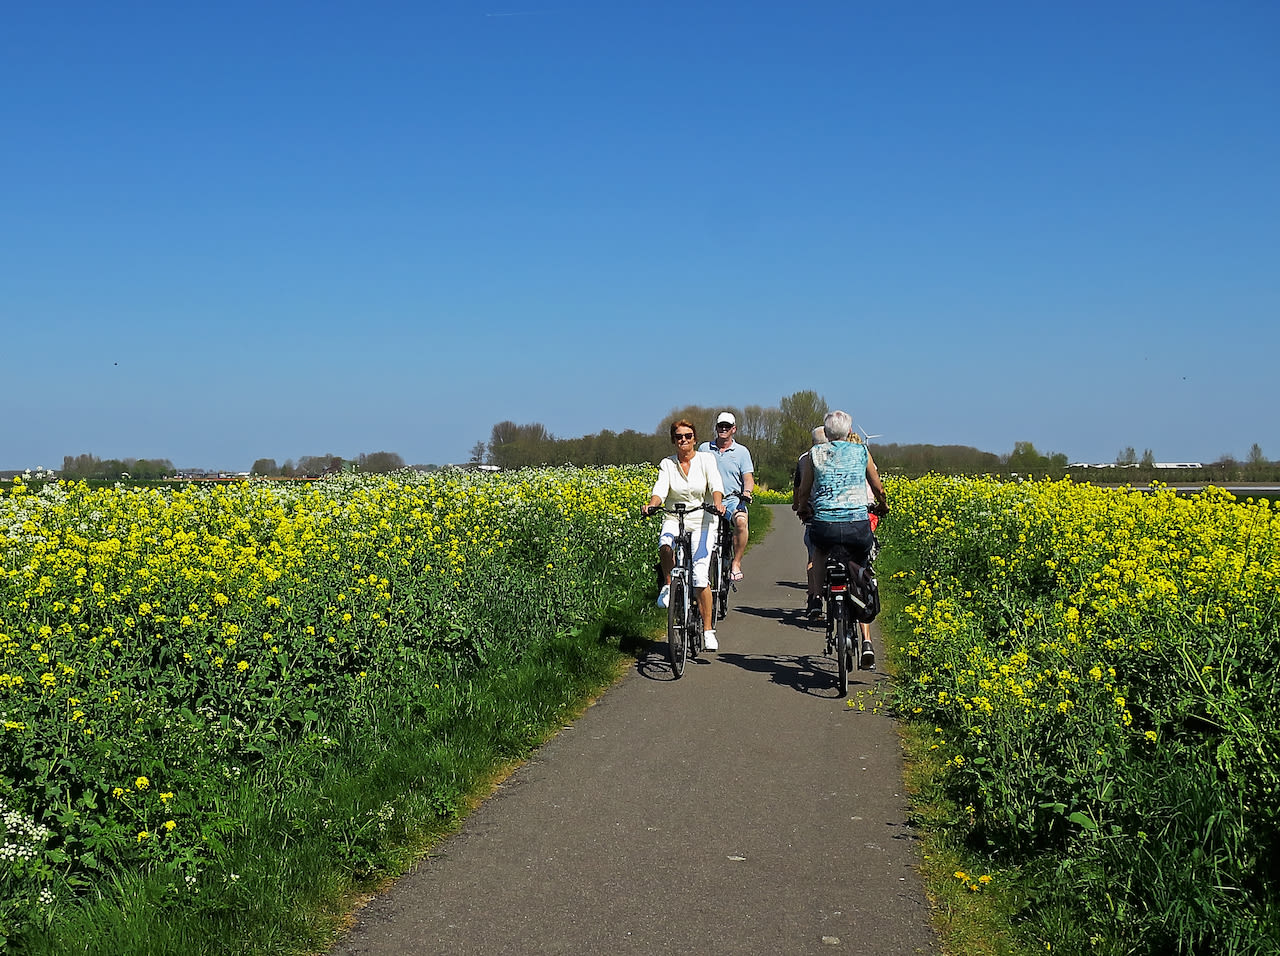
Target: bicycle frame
point(840, 623)
point(684, 617)
point(721, 563)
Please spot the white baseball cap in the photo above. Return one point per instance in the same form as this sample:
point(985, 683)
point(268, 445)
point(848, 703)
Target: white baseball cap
point(726, 418)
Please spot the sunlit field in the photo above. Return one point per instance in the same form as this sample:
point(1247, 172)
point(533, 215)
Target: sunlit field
point(1099, 671)
point(172, 656)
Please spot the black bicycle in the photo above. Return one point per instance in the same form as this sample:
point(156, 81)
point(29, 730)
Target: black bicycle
point(852, 596)
point(684, 618)
point(721, 568)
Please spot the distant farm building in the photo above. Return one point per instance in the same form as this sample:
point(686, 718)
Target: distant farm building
point(1156, 464)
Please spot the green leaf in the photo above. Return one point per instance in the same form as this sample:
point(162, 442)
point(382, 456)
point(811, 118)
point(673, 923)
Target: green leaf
point(1083, 820)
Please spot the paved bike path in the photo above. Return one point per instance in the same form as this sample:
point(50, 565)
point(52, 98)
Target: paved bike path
point(744, 809)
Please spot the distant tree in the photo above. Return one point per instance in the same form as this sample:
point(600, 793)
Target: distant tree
point(151, 469)
point(702, 416)
point(313, 466)
point(518, 446)
point(265, 467)
point(1025, 460)
point(288, 469)
point(911, 460)
point(80, 467)
point(84, 467)
point(1127, 457)
point(759, 427)
point(1148, 458)
point(381, 462)
point(1255, 455)
point(1225, 468)
point(798, 414)
point(477, 453)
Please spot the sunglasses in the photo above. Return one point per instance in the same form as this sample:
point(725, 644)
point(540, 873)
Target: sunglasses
point(723, 427)
point(684, 436)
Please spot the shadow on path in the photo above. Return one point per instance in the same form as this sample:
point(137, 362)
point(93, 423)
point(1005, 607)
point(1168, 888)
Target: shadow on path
point(813, 674)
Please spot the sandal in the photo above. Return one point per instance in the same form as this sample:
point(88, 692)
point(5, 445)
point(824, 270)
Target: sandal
point(735, 575)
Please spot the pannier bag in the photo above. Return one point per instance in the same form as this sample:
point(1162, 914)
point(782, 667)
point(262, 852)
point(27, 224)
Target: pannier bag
point(862, 590)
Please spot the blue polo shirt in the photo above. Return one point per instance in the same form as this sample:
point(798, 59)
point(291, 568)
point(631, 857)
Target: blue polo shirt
point(734, 461)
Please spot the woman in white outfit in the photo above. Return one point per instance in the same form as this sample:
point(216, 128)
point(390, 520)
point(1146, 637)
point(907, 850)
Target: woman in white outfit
point(690, 477)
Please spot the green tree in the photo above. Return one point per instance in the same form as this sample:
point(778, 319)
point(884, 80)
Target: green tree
point(265, 467)
point(313, 466)
point(1127, 457)
point(519, 446)
point(381, 462)
point(1025, 460)
point(1148, 458)
point(797, 416)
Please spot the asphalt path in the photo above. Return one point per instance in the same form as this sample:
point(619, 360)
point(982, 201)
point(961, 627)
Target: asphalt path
point(744, 808)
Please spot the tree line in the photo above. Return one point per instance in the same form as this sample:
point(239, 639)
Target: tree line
point(776, 437)
point(314, 466)
point(93, 468)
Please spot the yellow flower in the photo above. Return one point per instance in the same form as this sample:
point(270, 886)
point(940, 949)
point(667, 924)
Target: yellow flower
point(142, 783)
point(143, 835)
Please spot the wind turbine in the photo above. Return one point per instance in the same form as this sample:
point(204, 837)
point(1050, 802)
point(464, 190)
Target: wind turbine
point(866, 438)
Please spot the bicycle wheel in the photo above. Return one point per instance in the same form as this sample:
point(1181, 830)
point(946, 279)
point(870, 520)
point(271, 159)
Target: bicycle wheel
point(723, 584)
point(694, 627)
point(844, 648)
point(677, 631)
point(714, 577)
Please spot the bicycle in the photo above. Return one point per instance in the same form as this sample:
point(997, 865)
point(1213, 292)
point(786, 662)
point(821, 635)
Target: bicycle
point(721, 565)
point(684, 618)
point(849, 602)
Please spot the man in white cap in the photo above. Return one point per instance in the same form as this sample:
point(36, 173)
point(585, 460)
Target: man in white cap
point(738, 474)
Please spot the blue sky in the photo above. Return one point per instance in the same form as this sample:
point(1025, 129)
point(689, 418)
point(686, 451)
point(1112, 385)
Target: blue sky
point(246, 229)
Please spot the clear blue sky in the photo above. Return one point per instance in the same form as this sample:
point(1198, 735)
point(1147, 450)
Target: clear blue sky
point(311, 227)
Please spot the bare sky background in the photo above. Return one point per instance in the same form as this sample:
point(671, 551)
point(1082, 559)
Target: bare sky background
point(252, 230)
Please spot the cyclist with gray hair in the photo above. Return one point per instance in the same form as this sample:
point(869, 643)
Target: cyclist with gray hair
point(832, 496)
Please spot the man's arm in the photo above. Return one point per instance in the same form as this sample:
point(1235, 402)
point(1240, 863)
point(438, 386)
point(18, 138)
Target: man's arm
point(803, 509)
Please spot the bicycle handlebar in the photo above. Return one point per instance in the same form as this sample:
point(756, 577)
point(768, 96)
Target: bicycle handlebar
point(679, 509)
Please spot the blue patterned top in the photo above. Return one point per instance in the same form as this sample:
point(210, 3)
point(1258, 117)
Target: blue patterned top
point(839, 481)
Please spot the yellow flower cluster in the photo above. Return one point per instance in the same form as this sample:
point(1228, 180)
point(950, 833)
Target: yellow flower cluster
point(1057, 629)
point(1037, 591)
point(134, 618)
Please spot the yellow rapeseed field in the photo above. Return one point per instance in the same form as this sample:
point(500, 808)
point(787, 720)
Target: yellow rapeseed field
point(156, 642)
point(1099, 669)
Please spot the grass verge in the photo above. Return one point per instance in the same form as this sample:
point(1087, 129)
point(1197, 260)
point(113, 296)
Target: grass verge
point(974, 906)
point(318, 835)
